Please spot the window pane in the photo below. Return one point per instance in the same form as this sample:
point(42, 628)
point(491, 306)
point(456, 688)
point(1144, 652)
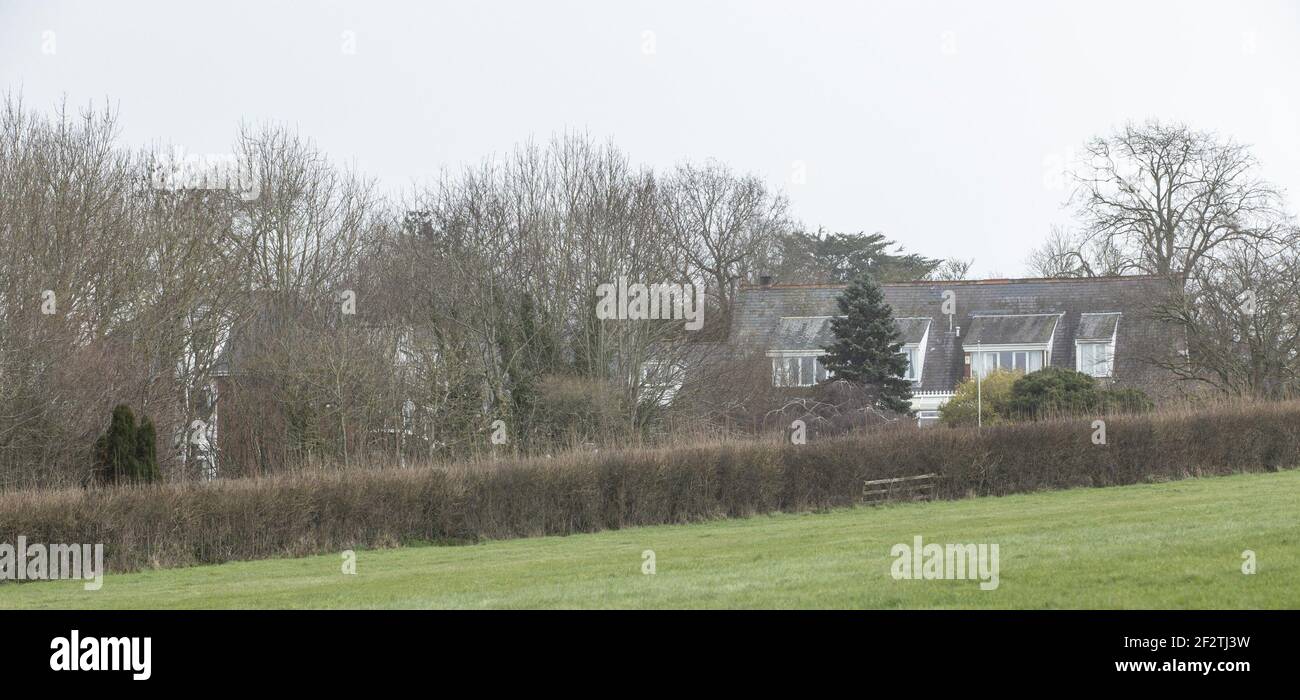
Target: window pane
point(1004, 360)
point(1095, 359)
point(782, 368)
point(821, 371)
point(792, 371)
point(1105, 359)
point(807, 371)
point(1035, 360)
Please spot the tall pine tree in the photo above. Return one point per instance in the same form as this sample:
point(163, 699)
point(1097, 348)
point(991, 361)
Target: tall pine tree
point(868, 348)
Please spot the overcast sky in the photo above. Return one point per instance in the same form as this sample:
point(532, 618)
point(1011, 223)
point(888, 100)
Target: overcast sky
point(940, 124)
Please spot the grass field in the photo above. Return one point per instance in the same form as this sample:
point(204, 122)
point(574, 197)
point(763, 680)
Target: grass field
point(1169, 545)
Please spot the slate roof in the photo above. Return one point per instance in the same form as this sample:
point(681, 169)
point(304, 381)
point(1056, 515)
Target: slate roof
point(912, 329)
point(1097, 326)
point(815, 332)
point(1011, 329)
point(803, 333)
point(757, 322)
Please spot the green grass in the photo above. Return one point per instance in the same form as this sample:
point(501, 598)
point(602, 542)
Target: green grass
point(1170, 545)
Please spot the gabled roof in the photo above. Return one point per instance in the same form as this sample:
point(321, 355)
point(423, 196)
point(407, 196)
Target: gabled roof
point(912, 329)
point(1011, 329)
point(804, 333)
point(1097, 326)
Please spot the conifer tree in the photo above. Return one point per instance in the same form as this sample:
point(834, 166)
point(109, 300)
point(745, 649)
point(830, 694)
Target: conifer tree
point(146, 452)
point(127, 452)
point(868, 348)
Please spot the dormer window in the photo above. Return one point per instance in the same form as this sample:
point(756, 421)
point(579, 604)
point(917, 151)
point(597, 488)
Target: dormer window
point(798, 369)
point(801, 342)
point(1009, 343)
point(1094, 344)
point(1025, 361)
point(913, 364)
point(915, 334)
point(1097, 359)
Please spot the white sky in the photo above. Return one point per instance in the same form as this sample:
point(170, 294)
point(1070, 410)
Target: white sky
point(940, 124)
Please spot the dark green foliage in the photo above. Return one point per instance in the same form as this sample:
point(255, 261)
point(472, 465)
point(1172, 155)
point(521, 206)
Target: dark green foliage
point(843, 257)
point(146, 452)
point(126, 452)
point(121, 444)
point(867, 347)
point(1053, 391)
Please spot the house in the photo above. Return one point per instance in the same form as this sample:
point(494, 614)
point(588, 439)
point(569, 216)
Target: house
point(952, 330)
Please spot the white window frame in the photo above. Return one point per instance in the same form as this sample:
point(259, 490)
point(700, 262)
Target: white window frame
point(781, 364)
point(1109, 348)
point(914, 363)
point(997, 350)
point(915, 371)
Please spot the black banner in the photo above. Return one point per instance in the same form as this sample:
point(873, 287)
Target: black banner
point(928, 649)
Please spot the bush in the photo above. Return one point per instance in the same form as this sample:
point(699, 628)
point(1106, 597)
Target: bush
point(995, 389)
point(189, 523)
point(1053, 391)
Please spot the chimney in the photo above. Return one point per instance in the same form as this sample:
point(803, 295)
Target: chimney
point(765, 280)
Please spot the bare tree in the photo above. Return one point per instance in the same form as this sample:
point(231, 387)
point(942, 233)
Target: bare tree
point(1067, 253)
point(727, 225)
point(952, 269)
point(1160, 198)
point(1243, 322)
point(304, 231)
